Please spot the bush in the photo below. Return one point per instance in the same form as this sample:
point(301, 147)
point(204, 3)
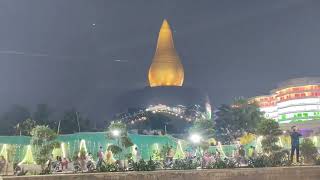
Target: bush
point(308, 150)
point(259, 161)
point(43, 140)
point(280, 158)
point(276, 158)
point(317, 161)
point(222, 164)
point(144, 166)
point(104, 167)
point(183, 164)
point(270, 130)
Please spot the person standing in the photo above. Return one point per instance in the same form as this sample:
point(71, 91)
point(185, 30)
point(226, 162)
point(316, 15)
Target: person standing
point(170, 154)
point(138, 155)
point(295, 135)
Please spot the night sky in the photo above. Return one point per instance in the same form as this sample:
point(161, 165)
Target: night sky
point(83, 53)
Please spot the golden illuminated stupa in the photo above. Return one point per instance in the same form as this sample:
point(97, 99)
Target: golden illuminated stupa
point(166, 68)
point(166, 76)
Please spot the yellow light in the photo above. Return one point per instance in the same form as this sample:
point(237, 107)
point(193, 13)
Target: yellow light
point(166, 68)
point(4, 151)
point(64, 154)
point(83, 145)
point(28, 158)
point(315, 140)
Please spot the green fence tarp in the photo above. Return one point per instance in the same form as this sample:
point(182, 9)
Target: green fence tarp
point(93, 140)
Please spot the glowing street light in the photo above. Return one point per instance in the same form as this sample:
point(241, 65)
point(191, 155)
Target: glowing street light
point(195, 138)
point(115, 132)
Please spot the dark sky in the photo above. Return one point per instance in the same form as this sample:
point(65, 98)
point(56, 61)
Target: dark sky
point(64, 52)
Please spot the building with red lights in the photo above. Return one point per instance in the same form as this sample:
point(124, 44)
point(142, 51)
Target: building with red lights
point(294, 102)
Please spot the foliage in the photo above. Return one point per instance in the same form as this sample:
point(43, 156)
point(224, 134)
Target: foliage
point(119, 126)
point(277, 158)
point(156, 155)
point(75, 156)
point(212, 142)
point(42, 114)
point(273, 155)
point(247, 138)
point(25, 126)
point(43, 142)
point(11, 152)
point(219, 164)
point(308, 150)
point(82, 153)
point(123, 140)
point(106, 167)
point(70, 120)
point(317, 161)
point(164, 150)
point(204, 127)
point(233, 121)
point(115, 149)
point(16, 114)
point(204, 145)
point(259, 161)
point(184, 164)
point(270, 130)
point(222, 164)
point(144, 166)
point(126, 142)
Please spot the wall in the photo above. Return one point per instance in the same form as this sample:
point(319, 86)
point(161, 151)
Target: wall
point(280, 173)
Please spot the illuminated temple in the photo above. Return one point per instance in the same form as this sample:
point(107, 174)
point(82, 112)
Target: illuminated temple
point(166, 68)
point(294, 102)
point(165, 104)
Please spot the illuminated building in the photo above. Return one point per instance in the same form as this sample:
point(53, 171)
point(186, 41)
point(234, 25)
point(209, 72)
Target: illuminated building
point(294, 102)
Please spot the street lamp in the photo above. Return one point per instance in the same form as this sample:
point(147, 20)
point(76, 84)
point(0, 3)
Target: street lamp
point(115, 133)
point(195, 138)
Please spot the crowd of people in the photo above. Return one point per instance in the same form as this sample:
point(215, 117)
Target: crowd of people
point(84, 163)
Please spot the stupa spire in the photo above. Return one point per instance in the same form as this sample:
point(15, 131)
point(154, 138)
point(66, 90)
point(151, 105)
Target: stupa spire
point(166, 68)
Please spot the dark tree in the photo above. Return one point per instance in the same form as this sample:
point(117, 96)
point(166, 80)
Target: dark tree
point(270, 130)
point(204, 127)
point(72, 122)
point(25, 127)
point(42, 114)
point(9, 120)
point(235, 120)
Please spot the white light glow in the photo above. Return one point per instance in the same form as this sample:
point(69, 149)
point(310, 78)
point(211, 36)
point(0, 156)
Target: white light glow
point(195, 138)
point(115, 132)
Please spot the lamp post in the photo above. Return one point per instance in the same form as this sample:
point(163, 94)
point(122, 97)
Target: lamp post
point(116, 134)
point(165, 128)
point(77, 117)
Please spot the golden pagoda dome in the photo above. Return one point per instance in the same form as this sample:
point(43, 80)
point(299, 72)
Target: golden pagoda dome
point(166, 68)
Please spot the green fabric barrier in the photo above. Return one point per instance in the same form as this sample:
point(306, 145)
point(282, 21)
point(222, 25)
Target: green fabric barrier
point(93, 140)
point(21, 140)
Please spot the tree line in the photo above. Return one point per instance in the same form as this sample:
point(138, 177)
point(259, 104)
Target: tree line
point(19, 120)
point(230, 121)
